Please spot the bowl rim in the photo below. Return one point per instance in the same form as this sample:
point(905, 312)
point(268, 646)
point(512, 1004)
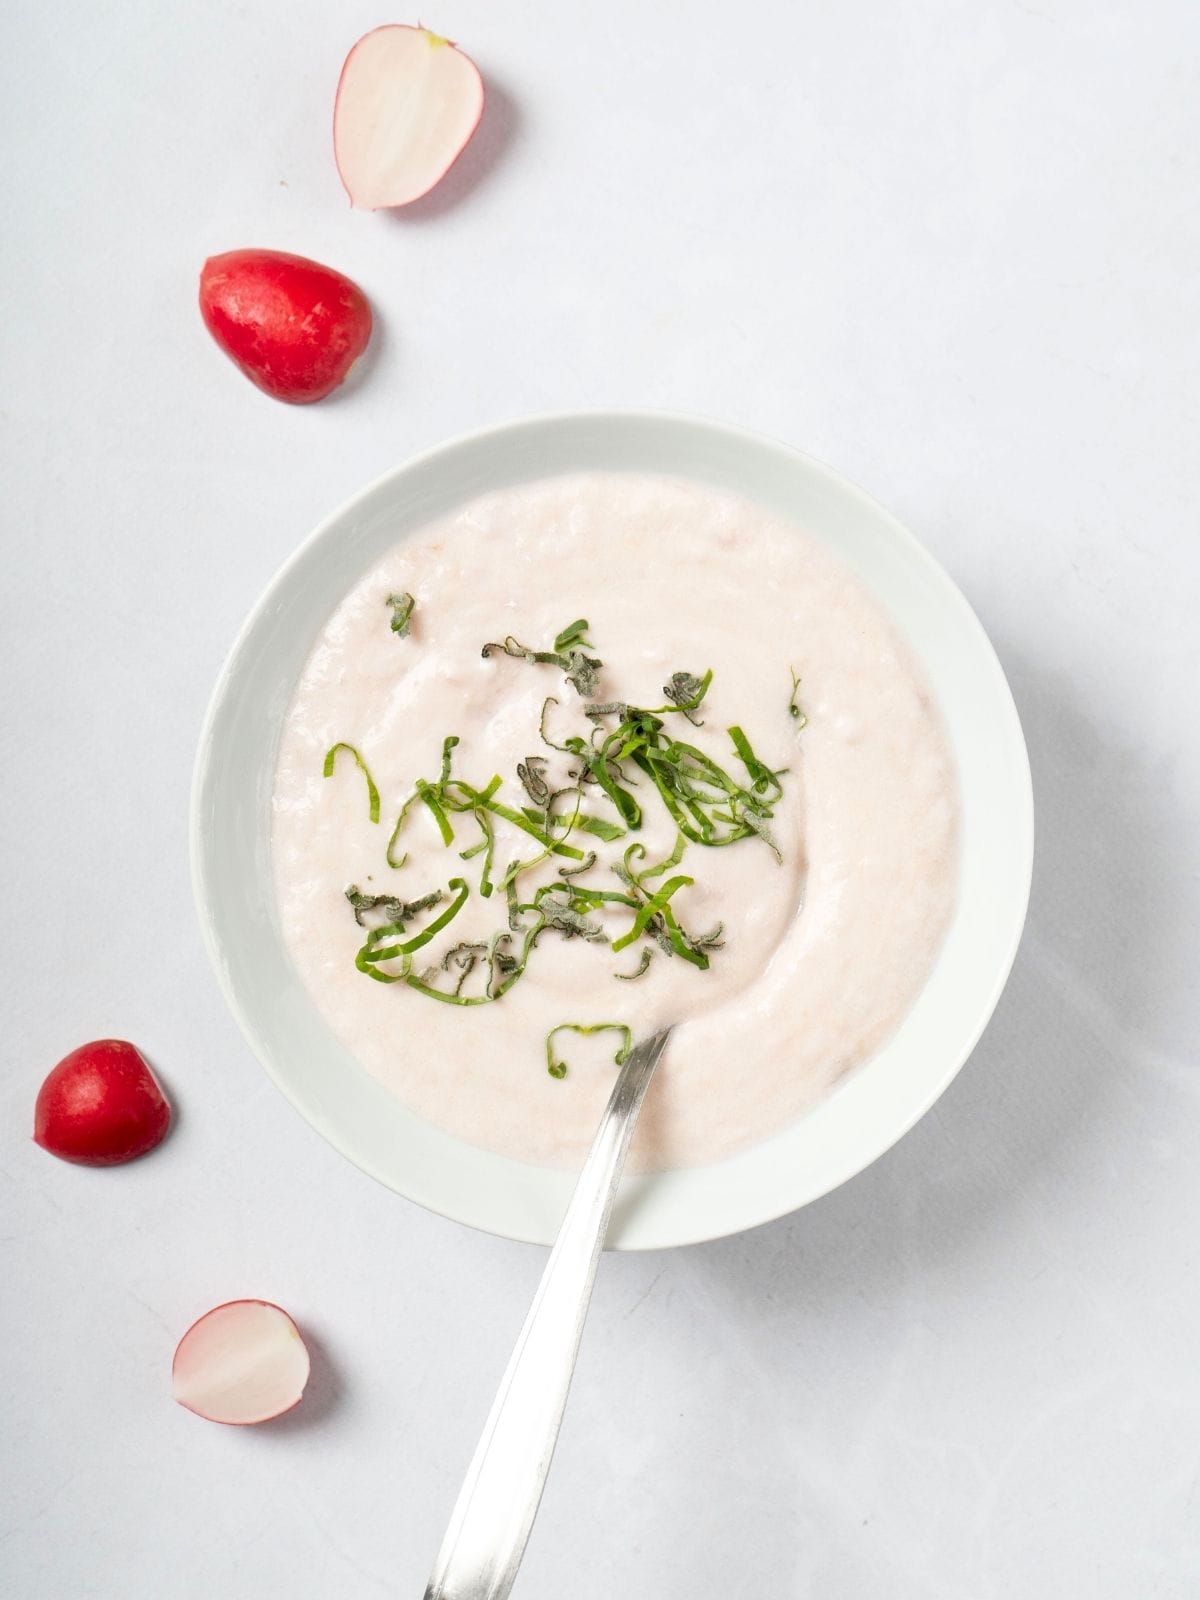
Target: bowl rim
point(634, 1187)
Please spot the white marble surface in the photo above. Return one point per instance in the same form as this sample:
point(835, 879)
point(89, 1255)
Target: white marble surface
point(952, 246)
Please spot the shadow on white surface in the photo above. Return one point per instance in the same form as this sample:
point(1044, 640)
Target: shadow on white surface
point(322, 1394)
point(362, 373)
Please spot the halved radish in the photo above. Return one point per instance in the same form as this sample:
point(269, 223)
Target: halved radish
point(242, 1362)
point(293, 326)
point(407, 102)
point(101, 1105)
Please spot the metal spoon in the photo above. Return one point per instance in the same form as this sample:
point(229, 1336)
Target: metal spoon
point(489, 1526)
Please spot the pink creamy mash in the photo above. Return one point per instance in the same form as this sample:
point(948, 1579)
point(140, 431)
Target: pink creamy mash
point(824, 953)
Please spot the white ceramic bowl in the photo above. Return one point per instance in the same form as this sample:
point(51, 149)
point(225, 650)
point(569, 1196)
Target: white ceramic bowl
point(230, 829)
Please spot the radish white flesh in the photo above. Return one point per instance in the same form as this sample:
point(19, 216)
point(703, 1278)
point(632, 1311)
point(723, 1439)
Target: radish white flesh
point(407, 102)
point(242, 1362)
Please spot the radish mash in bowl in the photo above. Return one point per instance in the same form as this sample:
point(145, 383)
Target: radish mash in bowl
point(728, 802)
point(586, 723)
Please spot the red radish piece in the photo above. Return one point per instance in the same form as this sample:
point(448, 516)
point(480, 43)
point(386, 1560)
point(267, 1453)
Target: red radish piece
point(242, 1362)
point(101, 1105)
point(293, 326)
point(407, 103)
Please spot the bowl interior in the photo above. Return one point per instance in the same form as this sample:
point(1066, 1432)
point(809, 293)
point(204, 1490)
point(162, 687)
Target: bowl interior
point(866, 1113)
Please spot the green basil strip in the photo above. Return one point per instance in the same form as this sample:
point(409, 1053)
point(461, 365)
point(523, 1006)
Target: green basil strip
point(656, 903)
point(558, 1069)
point(372, 791)
point(371, 952)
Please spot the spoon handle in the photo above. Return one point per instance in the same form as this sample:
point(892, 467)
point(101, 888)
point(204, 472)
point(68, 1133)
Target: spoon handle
point(490, 1523)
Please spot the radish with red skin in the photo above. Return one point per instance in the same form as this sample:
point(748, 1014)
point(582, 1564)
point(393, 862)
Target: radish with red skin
point(101, 1105)
point(293, 326)
point(407, 103)
point(240, 1363)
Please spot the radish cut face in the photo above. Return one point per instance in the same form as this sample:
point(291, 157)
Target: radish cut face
point(242, 1362)
point(407, 102)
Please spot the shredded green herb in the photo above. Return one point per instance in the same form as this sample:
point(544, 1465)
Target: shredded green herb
point(403, 606)
point(707, 803)
point(376, 950)
point(372, 791)
point(502, 968)
point(586, 865)
point(530, 771)
point(794, 710)
point(626, 748)
point(647, 957)
point(463, 959)
point(653, 907)
point(557, 1068)
point(685, 692)
point(573, 634)
point(561, 907)
point(488, 847)
point(569, 654)
point(672, 860)
point(447, 795)
point(394, 911)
